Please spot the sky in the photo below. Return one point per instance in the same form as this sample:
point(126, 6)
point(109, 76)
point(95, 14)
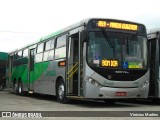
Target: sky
point(23, 22)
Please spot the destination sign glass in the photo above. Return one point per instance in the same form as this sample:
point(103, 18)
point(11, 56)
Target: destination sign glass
point(117, 25)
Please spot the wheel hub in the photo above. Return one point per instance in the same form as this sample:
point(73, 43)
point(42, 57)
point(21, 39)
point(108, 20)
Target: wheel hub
point(61, 91)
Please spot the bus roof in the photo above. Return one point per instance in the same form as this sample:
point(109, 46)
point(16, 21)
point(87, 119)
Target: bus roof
point(153, 30)
point(81, 23)
point(152, 33)
point(78, 24)
point(3, 55)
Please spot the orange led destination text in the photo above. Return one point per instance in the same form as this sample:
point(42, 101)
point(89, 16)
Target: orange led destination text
point(109, 63)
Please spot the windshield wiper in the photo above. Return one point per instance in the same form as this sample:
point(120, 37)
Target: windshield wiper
point(106, 37)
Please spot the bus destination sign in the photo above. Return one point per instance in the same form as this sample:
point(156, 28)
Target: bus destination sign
point(117, 25)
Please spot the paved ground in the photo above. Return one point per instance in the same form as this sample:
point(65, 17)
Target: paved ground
point(11, 102)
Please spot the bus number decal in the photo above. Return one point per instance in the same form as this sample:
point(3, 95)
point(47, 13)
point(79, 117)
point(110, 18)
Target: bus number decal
point(109, 63)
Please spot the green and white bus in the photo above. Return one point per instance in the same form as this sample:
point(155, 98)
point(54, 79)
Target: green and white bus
point(154, 47)
point(3, 63)
point(97, 58)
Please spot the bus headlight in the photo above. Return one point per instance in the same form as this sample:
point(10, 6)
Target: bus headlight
point(146, 83)
point(94, 82)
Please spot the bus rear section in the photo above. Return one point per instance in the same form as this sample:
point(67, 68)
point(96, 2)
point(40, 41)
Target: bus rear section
point(154, 47)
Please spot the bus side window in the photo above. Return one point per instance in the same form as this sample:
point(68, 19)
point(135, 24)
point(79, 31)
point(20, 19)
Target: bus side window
point(40, 48)
point(25, 53)
point(19, 54)
point(52, 44)
point(50, 55)
point(48, 45)
point(39, 55)
point(61, 41)
point(60, 51)
point(46, 50)
point(49, 50)
point(25, 56)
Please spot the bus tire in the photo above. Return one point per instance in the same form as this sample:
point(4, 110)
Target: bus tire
point(16, 88)
point(60, 91)
point(20, 88)
point(2, 86)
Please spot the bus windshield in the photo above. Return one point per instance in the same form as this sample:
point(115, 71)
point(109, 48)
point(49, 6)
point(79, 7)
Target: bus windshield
point(117, 50)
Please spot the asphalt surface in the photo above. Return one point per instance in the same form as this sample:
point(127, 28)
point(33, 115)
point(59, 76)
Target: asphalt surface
point(36, 103)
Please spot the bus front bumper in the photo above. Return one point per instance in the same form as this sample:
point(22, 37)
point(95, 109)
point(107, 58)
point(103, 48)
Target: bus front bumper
point(106, 92)
point(116, 93)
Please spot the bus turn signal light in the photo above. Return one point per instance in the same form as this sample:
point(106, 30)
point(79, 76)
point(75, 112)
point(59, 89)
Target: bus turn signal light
point(62, 63)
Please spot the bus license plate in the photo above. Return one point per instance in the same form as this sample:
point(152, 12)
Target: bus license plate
point(121, 93)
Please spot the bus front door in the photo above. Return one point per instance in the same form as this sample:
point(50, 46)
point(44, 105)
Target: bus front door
point(73, 65)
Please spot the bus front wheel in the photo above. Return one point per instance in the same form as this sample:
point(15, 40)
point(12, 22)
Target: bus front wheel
point(20, 88)
point(61, 95)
